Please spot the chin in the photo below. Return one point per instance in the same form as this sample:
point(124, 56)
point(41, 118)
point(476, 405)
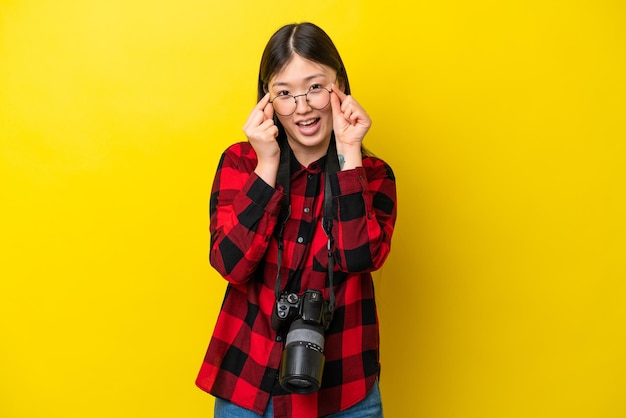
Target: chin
point(308, 141)
point(312, 141)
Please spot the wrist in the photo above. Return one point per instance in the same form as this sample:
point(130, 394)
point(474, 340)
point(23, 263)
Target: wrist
point(349, 157)
point(267, 170)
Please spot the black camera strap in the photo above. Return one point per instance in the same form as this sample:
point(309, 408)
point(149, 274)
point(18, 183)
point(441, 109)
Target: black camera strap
point(332, 166)
point(284, 179)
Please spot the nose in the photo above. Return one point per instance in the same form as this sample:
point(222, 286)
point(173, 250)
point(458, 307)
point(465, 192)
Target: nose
point(302, 106)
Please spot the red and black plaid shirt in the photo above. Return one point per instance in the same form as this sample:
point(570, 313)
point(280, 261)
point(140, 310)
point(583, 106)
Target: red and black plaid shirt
point(243, 357)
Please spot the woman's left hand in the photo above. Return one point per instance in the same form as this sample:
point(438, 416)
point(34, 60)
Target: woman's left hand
point(350, 123)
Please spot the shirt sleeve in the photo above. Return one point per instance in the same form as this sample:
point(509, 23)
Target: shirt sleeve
point(243, 211)
point(365, 210)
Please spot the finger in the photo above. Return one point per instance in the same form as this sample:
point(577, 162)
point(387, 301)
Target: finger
point(350, 112)
point(258, 113)
point(274, 131)
point(342, 96)
point(267, 124)
point(263, 102)
point(268, 111)
point(335, 103)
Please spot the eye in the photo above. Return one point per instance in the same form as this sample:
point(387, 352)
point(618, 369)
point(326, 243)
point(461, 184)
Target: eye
point(283, 93)
point(316, 87)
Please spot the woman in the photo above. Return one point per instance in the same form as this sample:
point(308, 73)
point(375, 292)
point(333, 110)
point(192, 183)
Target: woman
point(301, 195)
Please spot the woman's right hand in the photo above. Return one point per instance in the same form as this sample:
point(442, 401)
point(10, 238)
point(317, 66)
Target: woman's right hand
point(262, 132)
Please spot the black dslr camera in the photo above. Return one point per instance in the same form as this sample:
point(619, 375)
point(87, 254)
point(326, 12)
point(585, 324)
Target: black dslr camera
point(302, 362)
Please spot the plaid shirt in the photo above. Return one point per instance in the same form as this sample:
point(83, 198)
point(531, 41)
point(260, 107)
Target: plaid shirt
point(243, 357)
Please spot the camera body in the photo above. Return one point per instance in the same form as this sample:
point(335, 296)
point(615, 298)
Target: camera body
point(310, 307)
point(307, 317)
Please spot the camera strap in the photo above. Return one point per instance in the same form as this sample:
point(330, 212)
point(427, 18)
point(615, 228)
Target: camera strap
point(332, 166)
point(284, 179)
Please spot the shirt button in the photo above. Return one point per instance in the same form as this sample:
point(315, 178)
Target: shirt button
point(307, 210)
point(310, 176)
point(300, 240)
point(279, 338)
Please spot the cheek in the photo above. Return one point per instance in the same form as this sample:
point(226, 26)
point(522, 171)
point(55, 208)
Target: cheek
point(282, 119)
point(328, 115)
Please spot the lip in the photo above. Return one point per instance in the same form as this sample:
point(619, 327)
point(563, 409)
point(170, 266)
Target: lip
point(309, 128)
point(305, 121)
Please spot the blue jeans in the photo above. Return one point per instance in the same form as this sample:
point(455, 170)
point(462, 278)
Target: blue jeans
point(370, 407)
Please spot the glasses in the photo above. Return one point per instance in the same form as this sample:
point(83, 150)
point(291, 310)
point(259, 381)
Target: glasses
point(317, 97)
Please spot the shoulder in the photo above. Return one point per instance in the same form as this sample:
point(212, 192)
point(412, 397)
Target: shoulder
point(240, 150)
point(373, 164)
point(239, 155)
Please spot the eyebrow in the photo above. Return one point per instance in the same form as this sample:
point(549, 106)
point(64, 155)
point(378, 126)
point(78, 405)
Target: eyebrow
point(309, 78)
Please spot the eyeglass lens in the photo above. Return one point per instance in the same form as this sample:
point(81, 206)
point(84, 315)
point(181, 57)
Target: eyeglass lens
point(317, 98)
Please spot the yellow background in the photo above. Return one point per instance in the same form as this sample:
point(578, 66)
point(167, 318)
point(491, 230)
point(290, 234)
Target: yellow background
point(505, 293)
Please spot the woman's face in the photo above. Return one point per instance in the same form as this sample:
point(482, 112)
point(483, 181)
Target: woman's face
point(308, 129)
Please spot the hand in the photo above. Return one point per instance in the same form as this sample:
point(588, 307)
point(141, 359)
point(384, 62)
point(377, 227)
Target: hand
point(350, 123)
point(262, 132)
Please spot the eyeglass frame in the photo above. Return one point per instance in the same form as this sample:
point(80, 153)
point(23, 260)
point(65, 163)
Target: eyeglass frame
point(295, 99)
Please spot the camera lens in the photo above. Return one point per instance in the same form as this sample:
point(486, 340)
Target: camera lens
point(300, 383)
point(303, 358)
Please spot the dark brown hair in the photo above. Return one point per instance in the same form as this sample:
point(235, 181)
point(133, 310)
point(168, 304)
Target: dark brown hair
point(306, 40)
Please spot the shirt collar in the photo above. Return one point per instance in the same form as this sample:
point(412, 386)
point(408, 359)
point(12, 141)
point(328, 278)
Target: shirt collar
point(313, 168)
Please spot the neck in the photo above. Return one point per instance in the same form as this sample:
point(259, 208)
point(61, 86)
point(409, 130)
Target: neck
point(307, 155)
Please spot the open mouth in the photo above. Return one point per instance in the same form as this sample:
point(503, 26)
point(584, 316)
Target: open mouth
point(309, 122)
point(309, 127)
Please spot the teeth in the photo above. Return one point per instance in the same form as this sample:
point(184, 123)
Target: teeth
point(307, 123)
